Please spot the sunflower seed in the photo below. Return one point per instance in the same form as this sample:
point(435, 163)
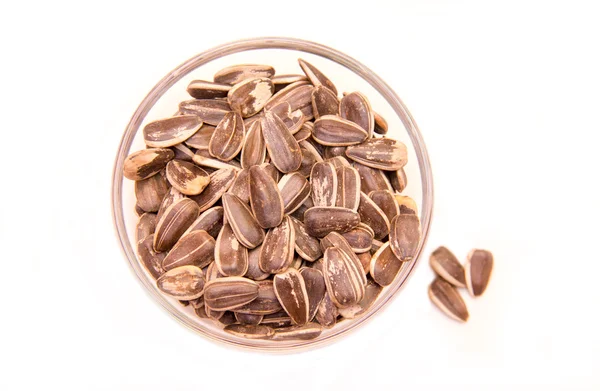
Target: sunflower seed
point(372, 291)
point(323, 179)
point(150, 259)
point(266, 302)
point(334, 239)
point(327, 312)
point(308, 161)
point(278, 319)
point(478, 270)
point(306, 246)
point(249, 330)
point(304, 133)
point(312, 145)
point(272, 171)
point(342, 278)
point(294, 190)
point(231, 258)
point(298, 214)
point(248, 97)
point(282, 146)
point(281, 81)
point(186, 177)
point(201, 89)
point(228, 138)
point(169, 199)
point(254, 271)
point(359, 238)
point(339, 161)
point(237, 73)
point(298, 95)
point(171, 131)
point(315, 289)
point(381, 126)
point(376, 246)
point(173, 223)
point(318, 264)
point(247, 319)
point(227, 319)
point(138, 211)
point(331, 152)
point(373, 216)
point(254, 150)
point(407, 205)
point(398, 180)
point(220, 181)
point(386, 201)
point(365, 261)
point(196, 248)
point(150, 192)
point(445, 264)
point(265, 199)
point(335, 131)
point(228, 293)
point(385, 266)
point(209, 110)
point(405, 235)
point(278, 248)
point(324, 102)
point(372, 179)
point(281, 109)
point(240, 186)
point(212, 273)
point(447, 299)
point(355, 107)
point(382, 153)
point(348, 188)
point(201, 138)
point(145, 226)
point(182, 283)
point(182, 152)
point(199, 302)
point(202, 158)
point(290, 290)
point(321, 220)
point(300, 332)
point(146, 163)
point(211, 221)
point(297, 263)
point(315, 76)
point(242, 221)
point(201, 312)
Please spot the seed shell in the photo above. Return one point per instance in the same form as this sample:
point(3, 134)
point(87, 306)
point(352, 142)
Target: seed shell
point(373, 216)
point(294, 190)
point(146, 163)
point(211, 221)
point(315, 289)
point(405, 235)
point(306, 246)
point(324, 102)
point(277, 252)
point(266, 302)
point(327, 312)
point(249, 96)
point(201, 89)
point(186, 177)
point(447, 299)
point(150, 192)
point(386, 201)
point(220, 181)
point(303, 332)
point(372, 179)
point(146, 226)
point(332, 130)
point(265, 199)
point(196, 248)
point(254, 150)
point(182, 283)
point(151, 260)
point(282, 146)
point(173, 223)
point(321, 220)
point(324, 184)
point(211, 111)
point(342, 278)
point(381, 125)
point(359, 238)
point(315, 76)
point(249, 331)
point(228, 138)
point(348, 188)
point(254, 271)
point(201, 138)
point(372, 291)
point(355, 107)
point(290, 290)
point(242, 221)
point(478, 270)
point(229, 293)
point(237, 73)
point(385, 266)
point(445, 264)
point(171, 131)
point(398, 180)
point(382, 153)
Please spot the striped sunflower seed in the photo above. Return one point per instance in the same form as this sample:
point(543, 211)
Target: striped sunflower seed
point(373, 216)
point(237, 73)
point(202, 158)
point(277, 252)
point(228, 138)
point(348, 188)
point(229, 293)
point(182, 283)
point(359, 238)
point(278, 319)
point(254, 150)
point(231, 258)
point(220, 181)
point(382, 153)
point(355, 107)
point(334, 239)
point(227, 319)
point(169, 199)
point(265, 199)
point(365, 261)
point(249, 331)
point(240, 186)
point(282, 146)
point(150, 192)
point(298, 95)
point(173, 223)
point(294, 121)
point(272, 171)
point(385, 266)
point(249, 96)
point(324, 102)
point(212, 273)
point(372, 292)
point(186, 177)
point(201, 138)
point(311, 144)
point(146, 163)
point(478, 270)
point(302, 332)
point(445, 264)
point(171, 131)
point(281, 81)
point(242, 221)
point(308, 161)
point(150, 259)
point(254, 271)
point(145, 226)
point(447, 299)
point(405, 235)
point(376, 246)
point(294, 190)
point(398, 180)
point(298, 214)
point(386, 201)
point(266, 302)
point(304, 132)
point(372, 179)
point(342, 278)
point(199, 302)
point(339, 161)
point(182, 152)
point(306, 246)
point(290, 290)
point(211, 221)
point(315, 76)
point(331, 152)
point(315, 289)
point(248, 319)
point(281, 109)
point(381, 125)
point(335, 131)
point(321, 220)
point(297, 263)
point(138, 211)
point(209, 110)
point(201, 312)
point(201, 89)
point(196, 248)
point(324, 184)
point(407, 205)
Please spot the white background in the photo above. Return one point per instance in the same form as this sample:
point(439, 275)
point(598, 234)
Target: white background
point(507, 96)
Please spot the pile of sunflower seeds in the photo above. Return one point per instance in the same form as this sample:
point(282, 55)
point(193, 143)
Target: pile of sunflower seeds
point(269, 204)
point(450, 275)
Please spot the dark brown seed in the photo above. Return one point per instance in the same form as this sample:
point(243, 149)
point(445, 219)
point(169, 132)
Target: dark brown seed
point(355, 107)
point(201, 89)
point(250, 330)
point(145, 226)
point(186, 177)
point(199, 302)
point(290, 290)
point(212, 314)
point(231, 258)
point(254, 271)
point(376, 246)
point(278, 248)
point(146, 163)
point(405, 235)
point(306, 246)
point(398, 180)
point(385, 266)
point(227, 319)
point(169, 199)
point(381, 126)
point(324, 184)
point(447, 299)
point(220, 181)
point(327, 312)
point(365, 261)
point(282, 146)
point(343, 280)
point(242, 221)
point(359, 238)
point(212, 273)
point(182, 152)
point(209, 110)
point(334, 239)
point(265, 303)
point(297, 263)
point(315, 289)
point(211, 221)
point(298, 95)
point(241, 186)
point(386, 201)
point(202, 158)
point(138, 211)
point(382, 153)
point(331, 152)
point(445, 264)
point(324, 102)
point(312, 145)
point(174, 222)
point(335, 131)
point(299, 213)
point(150, 259)
point(248, 97)
point(228, 293)
point(228, 138)
point(248, 319)
point(201, 138)
point(373, 216)
point(308, 161)
point(265, 199)
point(321, 220)
point(278, 319)
point(150, 192)
point(478, 270)
point(407, 205)
point(171, 131)
point(201, 312)
point(318, 264)
point(315, 76)
point(302, 332)
point(304, 132)
point(372, 291)
point(281, 81)
point(254, 150)
point(196, 248)
point(272, 171)
point(294, 190)
point(348, 188)
point(182, 283)
point(237, 73)
point(372, 179)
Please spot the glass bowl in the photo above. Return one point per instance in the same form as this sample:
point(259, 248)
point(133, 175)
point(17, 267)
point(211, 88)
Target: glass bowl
point(282, 53)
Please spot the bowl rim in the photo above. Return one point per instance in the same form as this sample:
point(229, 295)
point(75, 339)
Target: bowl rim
point(270, 43)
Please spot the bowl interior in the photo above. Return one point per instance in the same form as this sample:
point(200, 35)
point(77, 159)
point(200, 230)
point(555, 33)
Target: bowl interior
point(282, 54)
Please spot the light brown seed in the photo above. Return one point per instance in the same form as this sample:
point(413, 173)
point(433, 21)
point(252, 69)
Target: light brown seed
point(277, 252)
point(308, 161)
point(294, 190)
point(382, 153)
point(265, 199)
point(150, 192)
point(211, 221)
point(372, 179)
point(373, 216)
point(324, 102)
point(334, 239)
point(298, 95)
point(182, 283)
point(146, 163)
point(201, 89)
point(211, 111)
point(290, 290)
point(186, 177)
point(202, 158)
point(315, 289)
point(231, 258)
point(405, 235)
point(281, 81)
point(348, 188)
point(201, 138)
point(342, 278)
point(381, 125)
point(172, 195)
point(355, 107)
point(196, 248)
point(321, 220)
point(237, 73)
point(174, 222)
point(365, 261)
point(331, 152)
point(359, 238)
point(220, 181)
point(315, 76)
point(324, 184)
point(254, 150)
point(145, 226)
point(282, 146)
point(171, 131)
point(302, 332)
point(228, 138)
point(241, 186)
point(278, 319)
point(254, 271)
point(249, 331)
point(242, 221)
point(372, 291)
point(447, 299)
point(249, 96)
point(306, 246)
point(385, 266)
point(266, 302)
point(386, 201)
point(229, 293)
point(150, 259)
point(445, 264)
point(335, 131)
point(327, 312)
point(478, 270)
point(407, 205)
point(398, 180)
point(248, 319)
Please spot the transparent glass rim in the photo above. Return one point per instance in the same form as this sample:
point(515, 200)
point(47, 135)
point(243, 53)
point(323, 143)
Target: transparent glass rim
point(270, 43)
